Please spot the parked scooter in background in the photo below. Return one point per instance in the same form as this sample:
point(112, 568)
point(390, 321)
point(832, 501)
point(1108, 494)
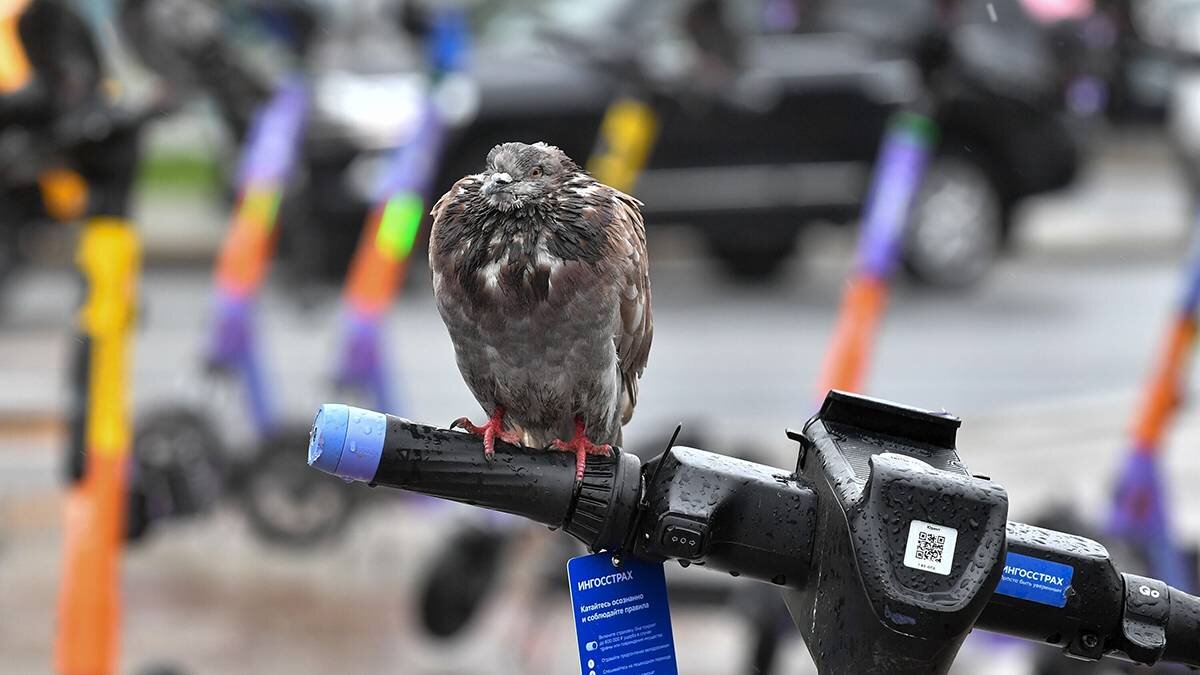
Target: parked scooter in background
point(182, 457)
point(279, 495)
point(78, 141)
point(324, 106)
point(185, 459)
point(50, 79)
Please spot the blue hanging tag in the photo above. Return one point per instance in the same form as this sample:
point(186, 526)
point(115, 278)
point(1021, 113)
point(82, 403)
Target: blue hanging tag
point(1035, 580)
point(622, 621)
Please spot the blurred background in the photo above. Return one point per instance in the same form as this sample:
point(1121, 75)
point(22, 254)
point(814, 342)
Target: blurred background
point(274, 159)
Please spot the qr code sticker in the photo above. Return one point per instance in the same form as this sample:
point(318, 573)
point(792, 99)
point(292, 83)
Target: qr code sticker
point(930, 547)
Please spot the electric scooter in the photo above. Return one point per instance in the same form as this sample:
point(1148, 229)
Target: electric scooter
point(76, 130)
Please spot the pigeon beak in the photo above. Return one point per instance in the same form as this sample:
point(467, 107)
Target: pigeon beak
point(495, 183)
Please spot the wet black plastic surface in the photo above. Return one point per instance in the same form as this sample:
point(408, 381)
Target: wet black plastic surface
point(859, 606)
point(536, 484)
point(732, 515)
point(872, 486)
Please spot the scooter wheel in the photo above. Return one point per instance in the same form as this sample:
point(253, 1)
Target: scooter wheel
point(289, 504)
point(178, 469)
point(460, 579)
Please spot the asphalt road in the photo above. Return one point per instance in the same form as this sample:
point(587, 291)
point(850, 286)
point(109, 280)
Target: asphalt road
point(1042, 361)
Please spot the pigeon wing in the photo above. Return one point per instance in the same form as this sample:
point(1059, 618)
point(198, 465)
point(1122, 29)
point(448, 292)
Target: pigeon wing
point(636, 328)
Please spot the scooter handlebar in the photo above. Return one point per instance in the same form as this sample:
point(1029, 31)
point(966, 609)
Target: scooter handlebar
point(737, 516)
point(689, 505)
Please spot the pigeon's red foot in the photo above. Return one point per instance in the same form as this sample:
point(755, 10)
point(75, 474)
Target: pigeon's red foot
point(582, 447)
point(490, 431)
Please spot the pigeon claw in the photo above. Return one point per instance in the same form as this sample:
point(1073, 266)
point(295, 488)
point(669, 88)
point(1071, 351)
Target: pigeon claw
point(489, 432)
point(582, 447)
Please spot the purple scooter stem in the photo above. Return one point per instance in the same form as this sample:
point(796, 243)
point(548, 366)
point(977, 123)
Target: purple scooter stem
point(902, 163)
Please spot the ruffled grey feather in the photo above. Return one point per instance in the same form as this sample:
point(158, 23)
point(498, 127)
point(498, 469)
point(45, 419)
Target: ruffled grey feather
point(541, 276)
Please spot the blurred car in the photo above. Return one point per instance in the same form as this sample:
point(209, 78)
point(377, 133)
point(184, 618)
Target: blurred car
point(767, 123)
point(770, 115)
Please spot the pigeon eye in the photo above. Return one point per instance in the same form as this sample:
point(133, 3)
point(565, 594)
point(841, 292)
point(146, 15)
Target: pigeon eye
point(535, 172)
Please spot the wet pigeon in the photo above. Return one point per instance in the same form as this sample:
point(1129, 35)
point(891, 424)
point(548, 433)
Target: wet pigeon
point(540, 274)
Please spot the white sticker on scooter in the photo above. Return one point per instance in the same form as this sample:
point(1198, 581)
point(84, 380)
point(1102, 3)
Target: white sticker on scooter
point(930, 547)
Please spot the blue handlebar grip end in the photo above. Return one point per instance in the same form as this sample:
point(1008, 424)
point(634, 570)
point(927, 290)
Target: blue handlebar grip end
point(347, 441)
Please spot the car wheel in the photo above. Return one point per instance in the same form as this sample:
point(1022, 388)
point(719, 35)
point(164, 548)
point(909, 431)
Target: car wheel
point(753, 257)
point(956, 225)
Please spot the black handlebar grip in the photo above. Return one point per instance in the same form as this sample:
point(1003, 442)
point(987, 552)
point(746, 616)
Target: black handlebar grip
point(1183, 629)
point(361, 445)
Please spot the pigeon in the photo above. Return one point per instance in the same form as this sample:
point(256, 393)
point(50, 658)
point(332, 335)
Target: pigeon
point(541, 277)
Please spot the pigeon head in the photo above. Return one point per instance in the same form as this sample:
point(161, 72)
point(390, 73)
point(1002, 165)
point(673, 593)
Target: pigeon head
point(518, 175)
